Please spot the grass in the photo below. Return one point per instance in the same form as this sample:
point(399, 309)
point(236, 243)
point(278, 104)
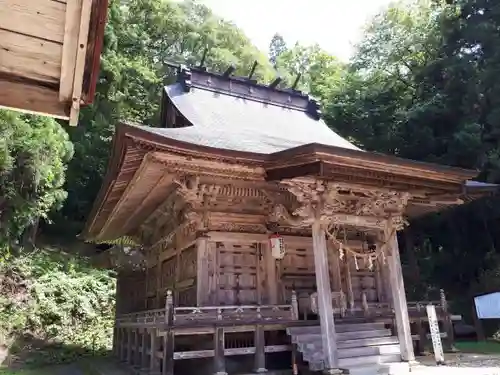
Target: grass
point(26, 372)
point(478, 347)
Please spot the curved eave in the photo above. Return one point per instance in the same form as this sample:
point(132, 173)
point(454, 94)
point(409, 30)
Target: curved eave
point(132, 143)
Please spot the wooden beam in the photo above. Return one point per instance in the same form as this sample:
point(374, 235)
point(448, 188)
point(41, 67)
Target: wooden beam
point(43, 19)
point(27, 57)
point(30, 98)
point(80, 61)
point(69, 49)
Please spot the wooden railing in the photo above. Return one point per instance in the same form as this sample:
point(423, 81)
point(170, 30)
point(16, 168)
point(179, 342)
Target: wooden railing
point(146, 340)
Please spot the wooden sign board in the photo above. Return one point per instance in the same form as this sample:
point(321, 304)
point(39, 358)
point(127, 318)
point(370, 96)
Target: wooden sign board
point(435, 334)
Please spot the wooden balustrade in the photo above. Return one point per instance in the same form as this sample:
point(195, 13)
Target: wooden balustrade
point(146, 340)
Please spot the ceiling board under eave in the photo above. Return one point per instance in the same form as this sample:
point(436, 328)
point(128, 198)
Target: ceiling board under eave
point(45, 49)
point(30, 98)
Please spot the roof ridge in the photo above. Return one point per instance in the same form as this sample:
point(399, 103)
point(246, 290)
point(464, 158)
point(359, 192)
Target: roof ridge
point(249, 89)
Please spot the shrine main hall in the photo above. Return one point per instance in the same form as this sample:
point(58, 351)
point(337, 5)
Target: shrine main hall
point(250, 230)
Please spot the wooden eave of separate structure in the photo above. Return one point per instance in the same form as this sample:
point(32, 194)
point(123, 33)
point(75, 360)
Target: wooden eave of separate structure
point(144, 158)
point(50, 55)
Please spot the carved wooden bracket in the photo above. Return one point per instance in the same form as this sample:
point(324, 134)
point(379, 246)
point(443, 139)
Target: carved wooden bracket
point(333, 203)
point(196, 194)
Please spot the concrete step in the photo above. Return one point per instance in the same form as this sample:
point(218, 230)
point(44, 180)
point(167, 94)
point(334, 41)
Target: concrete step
point(369, 350)
point(373, 341)
point(310, 350)
point(368, 360)
point(357, 343)
point(345, 336)
point(373, 365)
point(396, 368)
point(339, 328)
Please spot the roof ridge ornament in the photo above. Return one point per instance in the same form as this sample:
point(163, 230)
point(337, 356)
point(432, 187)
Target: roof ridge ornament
point(313, 107)
point(184, 77)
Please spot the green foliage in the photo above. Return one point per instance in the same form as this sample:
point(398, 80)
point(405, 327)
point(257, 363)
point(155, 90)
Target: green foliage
point(481, 347)
point(141, 37)
point(33, 156)
point(276, 48)
point(422, 86)
point(57, 299)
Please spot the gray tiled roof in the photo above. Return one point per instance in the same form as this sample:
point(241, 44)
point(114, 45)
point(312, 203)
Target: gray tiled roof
point(228, 122)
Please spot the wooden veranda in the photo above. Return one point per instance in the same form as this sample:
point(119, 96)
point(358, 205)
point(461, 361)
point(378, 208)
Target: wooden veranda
point(255, 229)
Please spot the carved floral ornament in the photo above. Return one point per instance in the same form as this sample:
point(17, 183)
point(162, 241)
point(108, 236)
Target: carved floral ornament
point(337, 206)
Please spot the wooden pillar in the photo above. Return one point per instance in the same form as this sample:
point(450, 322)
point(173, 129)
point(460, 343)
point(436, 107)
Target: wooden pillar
point(399, 300)
point(219, 359)
point(123, 345)
point(325, 308)
point(447, 323)
point(153, 361)
point(116, 349)
point(379, 284)
point(348, 280)
point(202, 278)
point(144, 349)
point(119, 342)
point(129, 346)
point(168, 338)
point(260, 349)
point(137, 349)
point(271, 275)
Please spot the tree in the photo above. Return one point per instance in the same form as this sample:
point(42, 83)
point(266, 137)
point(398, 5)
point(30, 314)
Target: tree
point(141, 37)
point(276, 48)
point(34, 152)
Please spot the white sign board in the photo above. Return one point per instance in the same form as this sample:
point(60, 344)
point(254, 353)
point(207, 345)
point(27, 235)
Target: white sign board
point(488, 306)
point(435, 334)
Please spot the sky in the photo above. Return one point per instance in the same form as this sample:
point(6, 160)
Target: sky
point(334, 24)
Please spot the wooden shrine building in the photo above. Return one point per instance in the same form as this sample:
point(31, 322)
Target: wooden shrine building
point(50, 55)
point(259, 230)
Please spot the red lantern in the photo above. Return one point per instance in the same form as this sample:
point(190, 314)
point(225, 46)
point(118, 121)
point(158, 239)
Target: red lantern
point(277, 246)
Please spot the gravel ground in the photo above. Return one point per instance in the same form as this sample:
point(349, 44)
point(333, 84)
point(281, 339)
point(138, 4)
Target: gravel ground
point(461, 364)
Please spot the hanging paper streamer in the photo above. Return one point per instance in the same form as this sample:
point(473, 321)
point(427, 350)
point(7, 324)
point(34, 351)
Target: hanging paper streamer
point(368, 258)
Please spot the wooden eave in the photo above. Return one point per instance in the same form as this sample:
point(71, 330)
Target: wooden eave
point(50, 55)
point(132, 146)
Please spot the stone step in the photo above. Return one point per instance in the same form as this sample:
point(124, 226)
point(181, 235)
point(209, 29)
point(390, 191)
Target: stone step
point(373, 341)
point(339, 328)
point(368, 360)
point(369, 350)
point(396, 368)
point(344, 336)
point(310, 350)
point(315, 357)
point(358, 343)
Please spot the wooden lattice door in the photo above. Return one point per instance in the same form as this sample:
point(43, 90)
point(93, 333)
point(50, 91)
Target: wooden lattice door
point(238, 273)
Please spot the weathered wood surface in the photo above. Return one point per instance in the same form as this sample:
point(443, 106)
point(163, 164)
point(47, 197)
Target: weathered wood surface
point(32, 99)
point(42, 19)
point(28, 57)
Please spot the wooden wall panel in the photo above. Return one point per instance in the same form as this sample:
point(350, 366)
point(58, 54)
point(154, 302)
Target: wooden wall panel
point(185, 286)
point(42, 19)
point(297, 271)
point(237, 273)
point(167, 273)
point(29, 57)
